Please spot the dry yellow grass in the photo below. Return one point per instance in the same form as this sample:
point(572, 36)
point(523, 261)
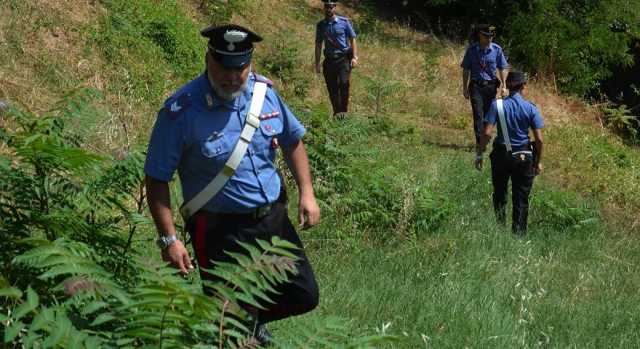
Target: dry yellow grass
point(53, 46)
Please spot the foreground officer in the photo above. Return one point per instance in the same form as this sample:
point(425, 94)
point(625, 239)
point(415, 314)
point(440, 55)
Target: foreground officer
point(522, 162)
point(197, 133)
point(485, 64)
point(340, 56)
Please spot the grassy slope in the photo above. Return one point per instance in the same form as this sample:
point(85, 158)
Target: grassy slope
point(449, 282)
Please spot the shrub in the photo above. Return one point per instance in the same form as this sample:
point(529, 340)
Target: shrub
point(283, 61)
point(561, 211)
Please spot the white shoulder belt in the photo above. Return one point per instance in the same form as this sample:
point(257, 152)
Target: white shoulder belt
point(252, 123)
point(503, 125)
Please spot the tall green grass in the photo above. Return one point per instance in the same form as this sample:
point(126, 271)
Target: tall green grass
point(466, 282)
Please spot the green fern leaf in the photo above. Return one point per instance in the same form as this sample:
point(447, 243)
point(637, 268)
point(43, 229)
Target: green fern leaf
point(102, 319)
point(11, 292)
point(11, 332)
point(32, 298)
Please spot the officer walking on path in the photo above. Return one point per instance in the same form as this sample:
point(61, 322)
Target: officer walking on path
point(484, 71)
point(340, 56)
point(221, 132)
point(513, 155)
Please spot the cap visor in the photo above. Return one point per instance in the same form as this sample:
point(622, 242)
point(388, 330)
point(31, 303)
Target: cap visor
point(234, 61)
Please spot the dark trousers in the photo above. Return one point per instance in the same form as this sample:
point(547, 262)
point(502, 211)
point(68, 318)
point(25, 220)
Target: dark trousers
point(212, 234)
point(481, 95)
point(503, 167)
point(337, 74)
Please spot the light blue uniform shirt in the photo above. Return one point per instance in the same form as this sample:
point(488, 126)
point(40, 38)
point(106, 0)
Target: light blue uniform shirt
point(335, 34)
point(520, 115)
point(483, 64)
point(196, 134)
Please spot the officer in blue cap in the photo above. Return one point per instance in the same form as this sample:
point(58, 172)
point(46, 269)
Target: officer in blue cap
point(340, 56)
point(514, 156)
point(198, 133)
point(484, 71)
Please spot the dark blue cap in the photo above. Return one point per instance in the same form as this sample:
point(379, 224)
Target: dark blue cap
point(231, 45)
point(486, 29)
point(516, 78)
point(330, 2)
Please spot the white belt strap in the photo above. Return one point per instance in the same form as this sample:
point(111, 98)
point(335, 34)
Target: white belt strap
point(252, 123)
point(503, 124)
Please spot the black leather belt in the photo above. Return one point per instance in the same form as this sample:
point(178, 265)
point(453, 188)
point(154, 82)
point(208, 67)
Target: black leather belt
point(254, 214)
point(514, 148)
point(483, 83)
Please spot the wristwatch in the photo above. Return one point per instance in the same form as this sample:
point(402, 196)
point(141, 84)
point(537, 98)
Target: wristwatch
point(165, 241)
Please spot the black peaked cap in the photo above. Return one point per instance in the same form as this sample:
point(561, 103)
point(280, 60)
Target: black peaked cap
point(516, 78)
point(231, 44)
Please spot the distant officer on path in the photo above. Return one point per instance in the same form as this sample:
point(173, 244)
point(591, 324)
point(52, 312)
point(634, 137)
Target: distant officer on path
point(221, 132)
point(484, 71)
point(340, 56)
point(513, 157)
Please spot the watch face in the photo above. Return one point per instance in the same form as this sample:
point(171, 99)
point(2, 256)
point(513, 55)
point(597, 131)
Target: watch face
point(166, 241)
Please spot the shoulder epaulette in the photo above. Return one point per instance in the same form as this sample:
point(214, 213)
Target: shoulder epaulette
point(177, 105)
point(260, 78)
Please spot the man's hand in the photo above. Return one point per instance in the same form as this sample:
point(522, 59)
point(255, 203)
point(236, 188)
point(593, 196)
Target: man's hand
point(308, 212)
point(502, 92)
point(478, 162)
point(317, 68)
point(354, 62)
point(465, 92)
point(178, 256)
point(538, 168)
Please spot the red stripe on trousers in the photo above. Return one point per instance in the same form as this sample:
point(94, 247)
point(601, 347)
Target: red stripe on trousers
point(201, 247)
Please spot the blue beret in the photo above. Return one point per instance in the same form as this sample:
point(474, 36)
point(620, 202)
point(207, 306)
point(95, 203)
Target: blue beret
point(231, 45)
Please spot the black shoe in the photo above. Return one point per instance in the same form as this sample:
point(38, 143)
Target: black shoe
point(263, 336)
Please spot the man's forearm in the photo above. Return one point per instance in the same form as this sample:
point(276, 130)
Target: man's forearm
point(354, 47)
point(502, 75)
point(317, 53)
point(298, 162)
point(159, 200)
point(465, 79)
point(539, 146)
point(484, 139)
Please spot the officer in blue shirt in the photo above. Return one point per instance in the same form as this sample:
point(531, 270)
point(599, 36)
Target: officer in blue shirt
point(484, 71)
point(523, 162)
point(340, 56)
point(195, 133)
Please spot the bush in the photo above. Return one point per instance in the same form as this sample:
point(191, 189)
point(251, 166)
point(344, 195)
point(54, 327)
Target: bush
point(283, 61)
point(71, 277)
point(561, 211)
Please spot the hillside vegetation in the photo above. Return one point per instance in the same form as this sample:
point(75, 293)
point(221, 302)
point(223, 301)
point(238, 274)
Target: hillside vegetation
point(408, 254)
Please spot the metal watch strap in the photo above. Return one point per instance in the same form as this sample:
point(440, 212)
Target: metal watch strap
point(165, 241)
point(252, 123)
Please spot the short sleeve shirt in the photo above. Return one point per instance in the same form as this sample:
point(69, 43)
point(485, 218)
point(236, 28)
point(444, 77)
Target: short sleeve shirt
point(335, 34)
point(520, 115)
point(195, 133)
point(483, 64)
